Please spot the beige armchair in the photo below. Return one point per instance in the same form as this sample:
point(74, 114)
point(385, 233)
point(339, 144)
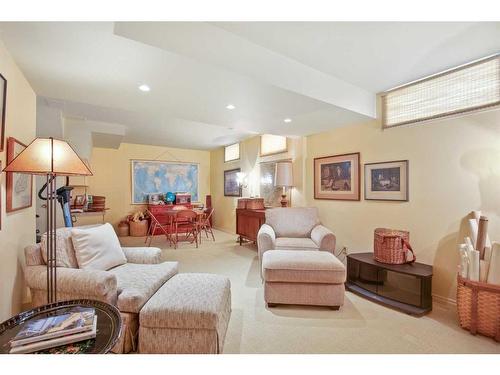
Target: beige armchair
point(296, 228)
point(128, 286)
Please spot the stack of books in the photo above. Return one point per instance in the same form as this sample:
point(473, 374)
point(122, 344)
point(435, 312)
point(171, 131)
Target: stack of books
point(75, 324)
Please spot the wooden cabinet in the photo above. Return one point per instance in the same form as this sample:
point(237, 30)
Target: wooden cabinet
point(248, 223)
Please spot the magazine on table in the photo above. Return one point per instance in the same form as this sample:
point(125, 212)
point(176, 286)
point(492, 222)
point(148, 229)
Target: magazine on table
point(55, 342)
point(75, 320)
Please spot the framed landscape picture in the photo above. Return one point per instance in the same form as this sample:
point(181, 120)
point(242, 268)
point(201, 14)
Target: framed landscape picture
point(231, 187)
point(337, 177)
point(19, 185)
point(387, 181)
point(3, 106)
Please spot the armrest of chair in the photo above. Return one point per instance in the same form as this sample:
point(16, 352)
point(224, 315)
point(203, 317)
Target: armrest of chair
point(74, 281)
point(265, 239)
point(324, 238)
point(142, 255)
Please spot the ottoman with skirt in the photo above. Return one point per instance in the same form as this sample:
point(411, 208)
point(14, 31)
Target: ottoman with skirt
point(303, 277)
point(188, 315)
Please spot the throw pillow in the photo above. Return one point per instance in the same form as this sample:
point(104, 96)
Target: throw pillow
point(64, 247)
point(97, 248)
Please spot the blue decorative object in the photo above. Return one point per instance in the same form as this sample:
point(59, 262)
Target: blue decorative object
point(170, 197)
point(150, 177)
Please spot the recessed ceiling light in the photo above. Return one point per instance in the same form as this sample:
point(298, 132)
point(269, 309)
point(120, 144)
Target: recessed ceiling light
point(230, 106)
point(287, 120)
point(144, 88)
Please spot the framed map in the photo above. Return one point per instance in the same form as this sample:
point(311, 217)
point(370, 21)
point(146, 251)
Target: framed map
point(155, 176)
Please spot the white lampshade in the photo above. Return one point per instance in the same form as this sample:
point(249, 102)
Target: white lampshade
point(283, 174)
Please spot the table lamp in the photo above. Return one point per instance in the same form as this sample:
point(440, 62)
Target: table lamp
point(51, 158)
point(283, 177)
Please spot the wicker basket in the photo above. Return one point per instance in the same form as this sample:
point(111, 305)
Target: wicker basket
point(251, 203)
point(242, 203)
point(478, 306)
point(255, 204)
point(391, 246)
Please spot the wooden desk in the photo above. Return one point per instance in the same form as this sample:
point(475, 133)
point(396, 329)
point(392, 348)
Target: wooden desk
point(248, 223)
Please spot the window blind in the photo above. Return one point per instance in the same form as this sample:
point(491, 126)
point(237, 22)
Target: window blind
point(232, 152)
point(272, 144)
point(464, 89)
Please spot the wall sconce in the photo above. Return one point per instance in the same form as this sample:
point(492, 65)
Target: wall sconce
point(242, 180)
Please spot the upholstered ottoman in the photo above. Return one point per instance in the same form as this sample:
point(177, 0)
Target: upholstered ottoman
point(303, 277)
point(189, 314)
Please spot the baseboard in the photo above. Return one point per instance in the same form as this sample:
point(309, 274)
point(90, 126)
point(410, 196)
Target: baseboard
point(444, 300)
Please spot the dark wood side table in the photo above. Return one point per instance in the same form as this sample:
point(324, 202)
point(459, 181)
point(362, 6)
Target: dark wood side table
point(248, 223)
point(109, 326)
point(405, 287)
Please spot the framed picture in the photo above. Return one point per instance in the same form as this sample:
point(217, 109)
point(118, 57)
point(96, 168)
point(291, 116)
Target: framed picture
point(79, 201)
point(153, 176)
point(231, 187)
point(337, 177)
point(387, 181)
point(3, 108)
point(19, 185)
point(271, 193)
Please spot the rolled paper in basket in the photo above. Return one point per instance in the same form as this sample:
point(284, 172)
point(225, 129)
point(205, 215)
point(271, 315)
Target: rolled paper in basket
point(464, 260)
point(473, 228)
point(468, 243)
point(482, 232)
point(487, 253)
point(476, 215)
point(474, 265)
point(483, 270)
point(494, 271)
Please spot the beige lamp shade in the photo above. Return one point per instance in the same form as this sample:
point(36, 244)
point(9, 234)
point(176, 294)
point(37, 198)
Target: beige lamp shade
point(283, 174)
point(48, 155)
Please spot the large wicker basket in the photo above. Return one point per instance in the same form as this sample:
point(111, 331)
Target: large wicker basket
point(391, 246)
point(478, 306)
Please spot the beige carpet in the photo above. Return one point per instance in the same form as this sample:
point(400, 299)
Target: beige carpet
point(359, 327)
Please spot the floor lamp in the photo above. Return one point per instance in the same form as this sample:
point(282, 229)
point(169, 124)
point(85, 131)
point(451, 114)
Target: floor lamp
point(51, 158)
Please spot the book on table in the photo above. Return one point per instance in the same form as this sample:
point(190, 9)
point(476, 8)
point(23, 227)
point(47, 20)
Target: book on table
point(75, 324)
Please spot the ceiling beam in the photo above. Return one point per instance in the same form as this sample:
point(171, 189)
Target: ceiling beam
point(210, 44)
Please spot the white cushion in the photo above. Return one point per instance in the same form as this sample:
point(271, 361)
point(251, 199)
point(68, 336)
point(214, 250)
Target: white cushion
point(288, 243)
point(97, 248)
point(64, 247)
point(292, 221)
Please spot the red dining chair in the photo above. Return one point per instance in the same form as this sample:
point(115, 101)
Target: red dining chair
point(165, 227)
point(186, 222)
point(205, 224)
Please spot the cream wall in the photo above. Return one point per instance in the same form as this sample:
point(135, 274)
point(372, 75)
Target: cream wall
point(454, 167)
point(111, 169)
point(249, 162)
point(18, 228)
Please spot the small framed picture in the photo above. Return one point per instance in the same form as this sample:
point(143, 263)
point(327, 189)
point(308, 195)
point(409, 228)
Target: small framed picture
point(19, 185)
point(3, 106)
point(231, 186)
point(79, 201)
point(337, 177)
point(387, 181)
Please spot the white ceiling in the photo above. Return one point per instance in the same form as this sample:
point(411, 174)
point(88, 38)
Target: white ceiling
point(322, 75)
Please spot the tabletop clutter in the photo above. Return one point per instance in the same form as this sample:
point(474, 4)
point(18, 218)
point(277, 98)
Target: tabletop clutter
point(76, 325)
point(478, 280)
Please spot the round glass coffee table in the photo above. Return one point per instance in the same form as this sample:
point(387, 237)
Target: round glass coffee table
point(109, 326)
